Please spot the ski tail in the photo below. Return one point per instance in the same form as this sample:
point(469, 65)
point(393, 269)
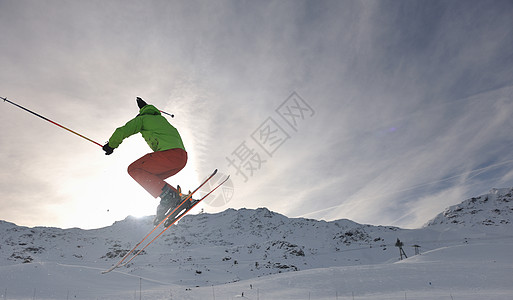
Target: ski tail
point(119, 263)
point(186, 199)
point(193, 203)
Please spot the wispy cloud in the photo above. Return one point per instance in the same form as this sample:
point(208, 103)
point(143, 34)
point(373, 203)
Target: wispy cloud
point(412, 102)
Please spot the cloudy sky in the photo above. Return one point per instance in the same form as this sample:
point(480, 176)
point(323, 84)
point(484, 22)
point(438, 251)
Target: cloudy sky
point(383, 112)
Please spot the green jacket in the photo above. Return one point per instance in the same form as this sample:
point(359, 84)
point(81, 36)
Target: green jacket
point(155, 129)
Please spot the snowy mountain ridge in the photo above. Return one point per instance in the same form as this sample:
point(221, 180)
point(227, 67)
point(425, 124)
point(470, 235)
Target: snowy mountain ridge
point(260, 242)
point(490, 210)
point(245, 244)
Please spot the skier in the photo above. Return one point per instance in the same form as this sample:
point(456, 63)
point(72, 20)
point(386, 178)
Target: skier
point(168, 158)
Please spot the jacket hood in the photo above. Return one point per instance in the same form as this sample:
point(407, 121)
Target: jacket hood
point(149, 110)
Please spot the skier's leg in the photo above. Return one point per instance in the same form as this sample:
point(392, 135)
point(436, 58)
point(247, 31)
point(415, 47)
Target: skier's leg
point(151, 169)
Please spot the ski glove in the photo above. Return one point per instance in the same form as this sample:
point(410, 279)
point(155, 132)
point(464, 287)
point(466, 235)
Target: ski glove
point(108, 150)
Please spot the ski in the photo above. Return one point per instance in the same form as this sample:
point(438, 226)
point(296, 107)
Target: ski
point(179, 212)
point(176, 214)
point(118, 264)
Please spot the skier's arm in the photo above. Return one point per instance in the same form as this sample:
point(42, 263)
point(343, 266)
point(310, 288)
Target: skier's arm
point(132, 127)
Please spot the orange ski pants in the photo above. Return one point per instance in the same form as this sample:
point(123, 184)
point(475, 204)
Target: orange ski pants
point(151, 169)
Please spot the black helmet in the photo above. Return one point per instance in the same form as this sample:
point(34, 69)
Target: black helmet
point(140, 102)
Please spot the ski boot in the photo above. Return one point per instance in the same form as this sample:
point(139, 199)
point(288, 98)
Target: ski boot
point(169, 200)
point(184, 206)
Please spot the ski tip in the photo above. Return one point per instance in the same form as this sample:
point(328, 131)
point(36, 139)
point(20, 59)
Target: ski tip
point(215, 172)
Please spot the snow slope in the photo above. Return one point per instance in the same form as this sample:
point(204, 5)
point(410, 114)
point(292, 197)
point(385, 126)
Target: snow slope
point(466, 254)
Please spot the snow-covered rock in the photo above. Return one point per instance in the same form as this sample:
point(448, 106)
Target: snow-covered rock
point(494, 209)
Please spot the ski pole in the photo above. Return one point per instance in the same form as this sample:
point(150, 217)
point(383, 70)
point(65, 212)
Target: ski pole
point(172, 116)
point(46, 119)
